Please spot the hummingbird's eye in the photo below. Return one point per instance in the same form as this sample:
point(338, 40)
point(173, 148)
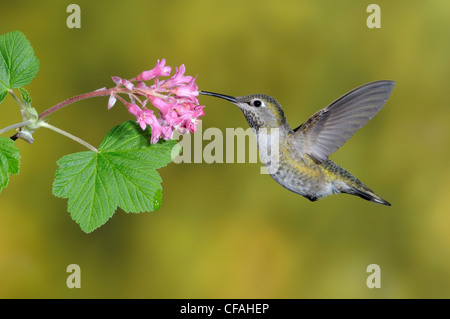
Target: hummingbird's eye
point(257, 103)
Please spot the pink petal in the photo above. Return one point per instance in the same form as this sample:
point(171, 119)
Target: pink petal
point(159, 70)
point(162, 105)
point(142, 124)
point(128, 84)
point(112, 100)
point(178, 78)
point(134, 109)
point(117, 80)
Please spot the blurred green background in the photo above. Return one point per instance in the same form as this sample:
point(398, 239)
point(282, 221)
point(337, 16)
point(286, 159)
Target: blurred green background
point(225, 230)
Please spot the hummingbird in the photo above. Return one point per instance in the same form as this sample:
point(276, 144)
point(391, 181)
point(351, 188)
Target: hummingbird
point(302, 153)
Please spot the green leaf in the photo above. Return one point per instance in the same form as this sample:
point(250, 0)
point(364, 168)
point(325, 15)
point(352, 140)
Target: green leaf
point(3, 95)
point(18, 65)
point(25, 96)
point(121, 174)
point(9, 160)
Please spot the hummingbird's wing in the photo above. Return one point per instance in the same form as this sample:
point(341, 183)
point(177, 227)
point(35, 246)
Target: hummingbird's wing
point(326, 131)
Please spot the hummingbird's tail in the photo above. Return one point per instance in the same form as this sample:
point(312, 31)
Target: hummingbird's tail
point(344, 182)
point(367, 194)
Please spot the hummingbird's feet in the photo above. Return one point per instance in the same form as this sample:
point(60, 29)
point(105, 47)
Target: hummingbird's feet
point(311, 198)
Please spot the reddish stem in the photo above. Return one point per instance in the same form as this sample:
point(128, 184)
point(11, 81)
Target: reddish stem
point(102, 92)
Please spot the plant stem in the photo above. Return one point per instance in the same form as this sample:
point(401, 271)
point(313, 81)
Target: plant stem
point(16, 99)
point(101, 92)
point(11, 127)
point(73, 137)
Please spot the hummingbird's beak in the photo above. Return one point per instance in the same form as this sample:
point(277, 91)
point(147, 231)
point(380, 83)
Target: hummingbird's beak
point(232, 99)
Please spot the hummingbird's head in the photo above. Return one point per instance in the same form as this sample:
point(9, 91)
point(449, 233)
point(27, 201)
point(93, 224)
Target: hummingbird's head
point(260, 110)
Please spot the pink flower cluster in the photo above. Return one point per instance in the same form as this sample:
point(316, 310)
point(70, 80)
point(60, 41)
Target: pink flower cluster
point(175, 98)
